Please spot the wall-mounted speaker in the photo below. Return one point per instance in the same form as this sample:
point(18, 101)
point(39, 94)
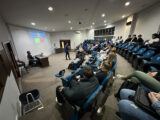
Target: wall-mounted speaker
point(129, 23)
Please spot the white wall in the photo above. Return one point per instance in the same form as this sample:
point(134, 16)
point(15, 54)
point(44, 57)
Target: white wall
point(90, 34)
point(23, 43)
point(69, 35)
point(148, 21)
point(120, 28)
point(9, 106)
point(4, 35)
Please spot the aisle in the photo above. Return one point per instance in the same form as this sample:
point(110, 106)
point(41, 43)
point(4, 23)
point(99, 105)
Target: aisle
point(123, 67)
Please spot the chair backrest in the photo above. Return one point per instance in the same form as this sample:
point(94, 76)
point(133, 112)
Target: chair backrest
point(136, 49)
point(72, 74)
point(141, 51)
point(62, 72)
point(148, 53)
point(120, 44)
point(127, 46)
point(131, 47)
point(123, 45)
point(92, 97)
point(156, 59)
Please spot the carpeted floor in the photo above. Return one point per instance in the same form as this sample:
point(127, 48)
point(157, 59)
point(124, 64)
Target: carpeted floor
point(45, 81)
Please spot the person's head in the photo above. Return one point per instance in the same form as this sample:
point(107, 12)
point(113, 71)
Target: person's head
point(113, 50)
point(111, 46)
point(134, 36)
point(87, 71)
point(111, 57)
point(120, 37)
point(28, 52)
point(129, 36)
point(78, 55)
point(140, 36)
point(154, 36)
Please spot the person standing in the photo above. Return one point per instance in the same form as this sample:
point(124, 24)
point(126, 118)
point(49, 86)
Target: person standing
point(67, 49)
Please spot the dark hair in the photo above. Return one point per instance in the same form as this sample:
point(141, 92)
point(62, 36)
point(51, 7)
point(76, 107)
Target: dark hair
point(28, 52)
point(78, 55)
point(156, 35)
point(134, 34)
point(87, 71)
point(139, 35)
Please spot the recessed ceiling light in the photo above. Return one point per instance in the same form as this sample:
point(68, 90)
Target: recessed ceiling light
point(93, 23)
point(105, 24)
point(53, 30)
point(103, 15)
point(105, 21)
point(127, 3)
point(123, 16)
point(69, 21)
point(50, 8)
point(71, 28)
point(32, 23)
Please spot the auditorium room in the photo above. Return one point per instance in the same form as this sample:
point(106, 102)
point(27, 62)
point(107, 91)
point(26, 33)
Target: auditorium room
point(79, 60)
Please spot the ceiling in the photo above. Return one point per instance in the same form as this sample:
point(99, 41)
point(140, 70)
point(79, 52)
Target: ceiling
point(23, 12)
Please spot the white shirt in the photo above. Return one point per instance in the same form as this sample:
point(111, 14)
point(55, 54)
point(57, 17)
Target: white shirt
point(76, 60)
point(152, 41)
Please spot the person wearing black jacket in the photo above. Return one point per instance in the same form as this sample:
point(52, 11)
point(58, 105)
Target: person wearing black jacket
point(134, 39)
point(140, 40)
point(128, 39)
point(79, 90)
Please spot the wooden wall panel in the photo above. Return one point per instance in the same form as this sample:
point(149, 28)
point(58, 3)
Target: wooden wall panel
point(5, 70)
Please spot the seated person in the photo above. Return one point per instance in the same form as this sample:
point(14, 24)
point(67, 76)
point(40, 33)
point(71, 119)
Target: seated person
point(149, 79)
point(22, 64)
point(102, 55)
point(155, 38)
point(140, 40)
point(105, 67)
point(129, 111)
point(134, 39)
point(77, 59)
point(128, 39)
point(80, 90)
point(31, 59)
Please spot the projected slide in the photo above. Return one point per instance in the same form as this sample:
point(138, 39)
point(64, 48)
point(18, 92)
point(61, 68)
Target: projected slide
point(37, 36)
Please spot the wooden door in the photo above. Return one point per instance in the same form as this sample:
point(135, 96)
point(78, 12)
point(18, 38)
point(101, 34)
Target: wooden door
point(12, 61)
point(64, 42)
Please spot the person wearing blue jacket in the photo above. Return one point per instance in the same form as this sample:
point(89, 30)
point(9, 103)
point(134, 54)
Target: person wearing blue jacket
point(67, 49)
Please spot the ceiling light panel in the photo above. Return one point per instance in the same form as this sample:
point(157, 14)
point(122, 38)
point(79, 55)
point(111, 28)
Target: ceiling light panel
point(33, 23)
point(69, 21)
point(103, 15)
point(127, 3)
point(50, 8)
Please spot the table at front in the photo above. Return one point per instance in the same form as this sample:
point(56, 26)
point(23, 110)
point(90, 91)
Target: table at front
point(43, 60)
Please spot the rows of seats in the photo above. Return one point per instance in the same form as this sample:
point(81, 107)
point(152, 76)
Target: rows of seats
point(143, 58)
point(93, 102)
